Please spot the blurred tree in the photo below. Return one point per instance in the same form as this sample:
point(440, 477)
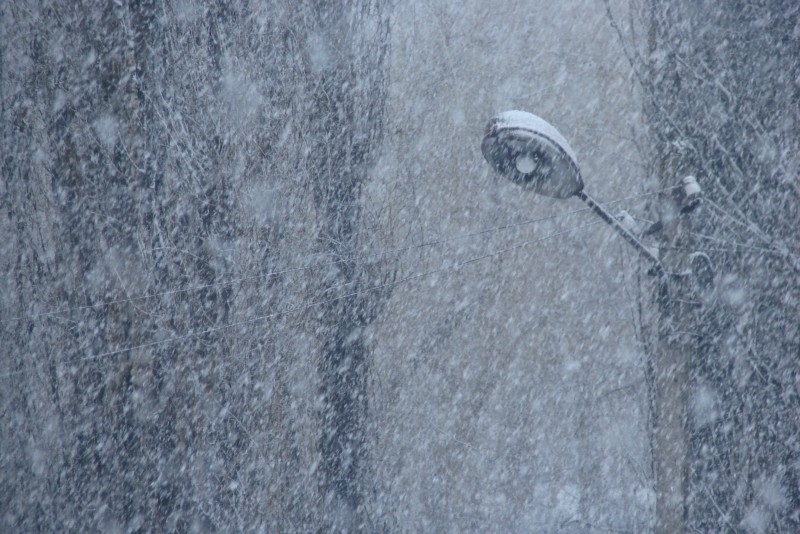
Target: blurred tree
point(157, 164)
point(721, 82)
point(346, 95)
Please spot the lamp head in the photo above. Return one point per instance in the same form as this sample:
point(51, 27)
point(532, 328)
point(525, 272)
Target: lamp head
point(530, 152)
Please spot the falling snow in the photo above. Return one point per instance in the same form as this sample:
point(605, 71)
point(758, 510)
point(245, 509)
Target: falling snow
point(260, 277)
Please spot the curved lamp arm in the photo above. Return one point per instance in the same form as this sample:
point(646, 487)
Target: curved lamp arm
point(530, 152)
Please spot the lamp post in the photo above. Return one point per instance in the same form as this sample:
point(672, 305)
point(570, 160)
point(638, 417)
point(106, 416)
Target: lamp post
point(534, 155)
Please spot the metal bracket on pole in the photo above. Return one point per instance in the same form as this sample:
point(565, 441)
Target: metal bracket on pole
point(658, 267)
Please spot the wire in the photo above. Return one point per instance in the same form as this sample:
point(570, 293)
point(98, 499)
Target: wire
point(359, 261)
point(733, 244)
point(399, 250)
point(781, 249)
point(755, 231)
point(297, 309)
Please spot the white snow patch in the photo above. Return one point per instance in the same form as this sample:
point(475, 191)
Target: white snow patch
point(733, 291)
point(568, 500)
point(242, 96)
point(319, 54)
point(771, 493)
point(187, 12)
point(705, 406)
point(106, 128)
point(528, 121)
point(756, 520)
point(59, 100)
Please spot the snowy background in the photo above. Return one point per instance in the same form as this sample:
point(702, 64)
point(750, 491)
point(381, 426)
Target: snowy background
point(259, 277)
point(509, 385)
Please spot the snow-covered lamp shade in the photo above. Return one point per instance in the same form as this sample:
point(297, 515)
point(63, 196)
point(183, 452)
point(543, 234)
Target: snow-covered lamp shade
point(530, 152)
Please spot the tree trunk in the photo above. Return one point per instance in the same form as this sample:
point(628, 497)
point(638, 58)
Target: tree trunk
point(720, 82)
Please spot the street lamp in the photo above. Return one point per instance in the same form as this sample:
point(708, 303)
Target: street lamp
point(530, 152)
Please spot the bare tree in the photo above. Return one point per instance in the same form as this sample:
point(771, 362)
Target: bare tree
point(161, 163)
point(346, 93)
point(722, 102)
